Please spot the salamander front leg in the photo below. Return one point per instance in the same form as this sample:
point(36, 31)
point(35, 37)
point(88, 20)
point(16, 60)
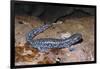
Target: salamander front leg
point(71, 49)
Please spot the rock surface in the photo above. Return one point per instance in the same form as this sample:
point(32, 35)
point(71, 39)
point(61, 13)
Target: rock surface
point(84, 51)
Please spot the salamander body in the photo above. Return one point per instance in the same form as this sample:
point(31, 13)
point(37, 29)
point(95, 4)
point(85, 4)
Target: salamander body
point(43, 44)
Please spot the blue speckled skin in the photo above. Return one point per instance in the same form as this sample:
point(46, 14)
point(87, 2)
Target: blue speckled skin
point(47, 43)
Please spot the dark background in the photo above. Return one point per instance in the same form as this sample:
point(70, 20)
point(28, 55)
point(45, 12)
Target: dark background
point(51, 12)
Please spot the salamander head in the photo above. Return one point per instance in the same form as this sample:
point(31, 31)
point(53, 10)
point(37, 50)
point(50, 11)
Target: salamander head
point(76, 38)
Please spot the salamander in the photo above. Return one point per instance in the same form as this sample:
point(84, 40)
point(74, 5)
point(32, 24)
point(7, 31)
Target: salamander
point(43, 44)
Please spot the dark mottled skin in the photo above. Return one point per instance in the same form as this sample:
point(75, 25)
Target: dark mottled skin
point(47, 43)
